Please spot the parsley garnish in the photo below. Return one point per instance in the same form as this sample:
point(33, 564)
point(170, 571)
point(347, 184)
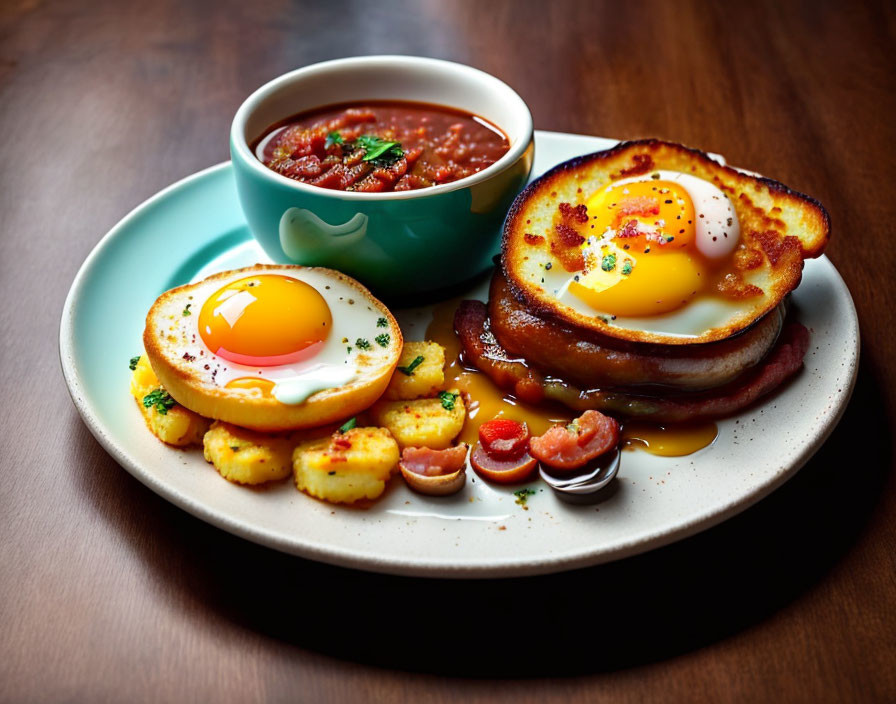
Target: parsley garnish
point(447, 398)
point(348, 350)
point(187, 309)
point(348, 425)
point(627, 267)
point(362, 344)
point(132, 365)
point(382, 323)
point(383, 340)
point(378, 150)
point(522, 495)
point(160, 399)
point(409, 370)
point(333, 138)
point(608, 263)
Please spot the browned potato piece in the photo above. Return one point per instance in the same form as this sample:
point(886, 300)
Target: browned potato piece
point(346, 467)
point(177, 425)
point(420, 371)
point(246, 456)
point(424, 422)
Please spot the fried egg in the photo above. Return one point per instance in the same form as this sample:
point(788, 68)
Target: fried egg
point(654, 242)
point(660, 237)
point(273, 347)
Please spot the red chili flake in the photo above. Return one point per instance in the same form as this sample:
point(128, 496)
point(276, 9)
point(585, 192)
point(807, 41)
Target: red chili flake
point(341, 442)
point(188, 357)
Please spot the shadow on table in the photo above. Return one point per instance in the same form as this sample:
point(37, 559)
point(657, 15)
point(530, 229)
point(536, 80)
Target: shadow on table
point(650, 607)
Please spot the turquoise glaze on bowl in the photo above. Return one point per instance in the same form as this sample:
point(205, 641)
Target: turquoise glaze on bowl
point(397, 243)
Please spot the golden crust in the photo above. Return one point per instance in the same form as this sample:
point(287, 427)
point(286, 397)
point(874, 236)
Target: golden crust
point(250, 408)
point(779, 229)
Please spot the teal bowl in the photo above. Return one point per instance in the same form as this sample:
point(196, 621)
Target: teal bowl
point(400, 244)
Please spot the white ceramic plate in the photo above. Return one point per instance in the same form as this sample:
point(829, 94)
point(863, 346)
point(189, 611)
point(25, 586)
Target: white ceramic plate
point(195, 227)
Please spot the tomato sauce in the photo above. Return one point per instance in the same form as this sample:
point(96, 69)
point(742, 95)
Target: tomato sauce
point(381, 146)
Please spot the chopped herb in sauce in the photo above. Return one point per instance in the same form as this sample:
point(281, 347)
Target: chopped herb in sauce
point(608, 263)
point(627, 267)
point(132, 365)
point(409, 370)
point(381, 152)
point(383, 340)
point(362, 344)
point(187, 309)
point(160, 400)
point(448, 399)
point(348, 425)
point(332, 139)
point(382, 323)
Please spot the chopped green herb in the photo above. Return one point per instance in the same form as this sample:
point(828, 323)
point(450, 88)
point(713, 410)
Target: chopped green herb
point(378, 150)
point(448, 399)
point(409, 370)
point(522, 495)
point(160, 399)
point(383, 340)
point(627, 267)
point(348, 350)
point(669, 238)
point(608, 263)
point(187, 309)
point(362, 344)
point(348, 425)
point(333, 138)
point(132, 365)
point(382, 323)
point(235, 448)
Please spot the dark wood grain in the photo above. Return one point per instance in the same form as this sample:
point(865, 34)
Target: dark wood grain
point(108, 593)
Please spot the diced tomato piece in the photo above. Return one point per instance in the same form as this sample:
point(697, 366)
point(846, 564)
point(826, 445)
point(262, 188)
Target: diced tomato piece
point(502, 471)
point(504, 439)
point(303, 167)
point(565, 448)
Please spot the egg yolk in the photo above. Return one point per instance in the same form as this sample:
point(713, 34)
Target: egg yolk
point(265, 321)
point(642, 259)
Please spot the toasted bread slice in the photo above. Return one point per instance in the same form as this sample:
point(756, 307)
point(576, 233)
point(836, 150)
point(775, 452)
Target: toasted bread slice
point(364, 338)
point(779, 229)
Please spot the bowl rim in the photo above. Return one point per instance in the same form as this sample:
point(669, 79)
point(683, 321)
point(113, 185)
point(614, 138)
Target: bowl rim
point(240, 147)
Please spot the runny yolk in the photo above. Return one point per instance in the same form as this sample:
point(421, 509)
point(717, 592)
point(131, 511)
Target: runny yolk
point(640, 257)
point(672, 440)
point(266, 386)
point(487, 401)
point(265, 321)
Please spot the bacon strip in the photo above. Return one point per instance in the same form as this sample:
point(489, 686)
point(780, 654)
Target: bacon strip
point(483, 351)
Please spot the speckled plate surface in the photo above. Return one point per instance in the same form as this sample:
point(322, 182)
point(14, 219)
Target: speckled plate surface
point(195, 228)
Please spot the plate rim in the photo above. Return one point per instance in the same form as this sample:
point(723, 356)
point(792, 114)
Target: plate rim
point(416, 567)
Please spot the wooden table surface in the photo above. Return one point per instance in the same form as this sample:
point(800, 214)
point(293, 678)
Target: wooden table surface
point(109, 593)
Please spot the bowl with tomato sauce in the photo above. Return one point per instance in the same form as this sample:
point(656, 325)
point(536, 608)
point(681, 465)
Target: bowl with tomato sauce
point(397, 170)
